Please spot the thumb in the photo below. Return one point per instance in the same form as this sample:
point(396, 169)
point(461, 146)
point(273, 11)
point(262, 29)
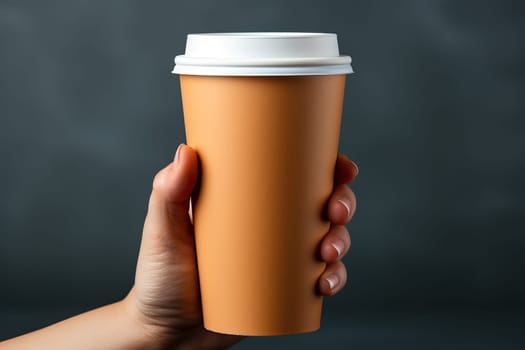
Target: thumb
point(167, 226)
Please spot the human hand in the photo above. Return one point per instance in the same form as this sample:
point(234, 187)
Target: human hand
point(165, 300)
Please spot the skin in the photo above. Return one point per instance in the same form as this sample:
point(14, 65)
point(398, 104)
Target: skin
point(162, 310)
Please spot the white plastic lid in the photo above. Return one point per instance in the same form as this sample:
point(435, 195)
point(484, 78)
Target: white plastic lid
point(255, 54)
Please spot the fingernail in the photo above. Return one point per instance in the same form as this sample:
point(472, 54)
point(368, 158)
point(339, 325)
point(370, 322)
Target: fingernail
point(356, 168)
point(346, 206)
point(339, 246)
point(333, 281)
point(177, 155)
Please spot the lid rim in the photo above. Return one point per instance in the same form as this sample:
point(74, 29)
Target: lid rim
point(270, 62)
point(262, 70)
point(269, 35)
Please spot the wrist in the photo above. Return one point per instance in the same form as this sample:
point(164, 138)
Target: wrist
point(145, 336)
point(153, 336)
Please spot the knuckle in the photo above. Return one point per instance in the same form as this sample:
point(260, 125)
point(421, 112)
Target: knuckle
point(159, 182)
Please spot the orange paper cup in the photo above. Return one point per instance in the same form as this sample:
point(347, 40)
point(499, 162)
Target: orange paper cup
point(267, 147)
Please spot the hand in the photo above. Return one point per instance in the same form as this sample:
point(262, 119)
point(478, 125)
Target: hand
point(165, 299)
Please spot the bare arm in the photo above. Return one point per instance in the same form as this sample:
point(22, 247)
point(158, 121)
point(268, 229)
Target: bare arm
point(109, 327)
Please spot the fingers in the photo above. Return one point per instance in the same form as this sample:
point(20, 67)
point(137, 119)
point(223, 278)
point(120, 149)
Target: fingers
point(345, 170)
point(167, 222)
point(335, 244)
point(341, 205)
point(333, 279)
point(174, 183)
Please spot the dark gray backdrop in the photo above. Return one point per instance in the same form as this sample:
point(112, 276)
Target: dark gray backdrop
point(434, 116)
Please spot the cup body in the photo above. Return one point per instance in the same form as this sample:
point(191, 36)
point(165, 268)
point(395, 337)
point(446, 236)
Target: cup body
point(267, 147)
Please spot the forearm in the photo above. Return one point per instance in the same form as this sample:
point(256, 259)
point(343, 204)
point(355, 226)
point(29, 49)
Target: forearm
point(109, 327)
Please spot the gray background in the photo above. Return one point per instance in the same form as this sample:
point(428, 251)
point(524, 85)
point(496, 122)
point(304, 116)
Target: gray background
point(434, 116)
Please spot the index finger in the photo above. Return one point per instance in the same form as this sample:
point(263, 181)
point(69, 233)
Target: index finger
point(345, 170)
